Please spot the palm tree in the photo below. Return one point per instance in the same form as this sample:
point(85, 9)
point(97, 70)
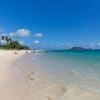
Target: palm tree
point(2, 38)
point(7, 40)
point(8, 43)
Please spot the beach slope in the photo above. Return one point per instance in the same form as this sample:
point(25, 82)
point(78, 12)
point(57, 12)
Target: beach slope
point(20, 82)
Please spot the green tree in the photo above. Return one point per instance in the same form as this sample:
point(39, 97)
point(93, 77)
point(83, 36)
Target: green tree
point(10, 44)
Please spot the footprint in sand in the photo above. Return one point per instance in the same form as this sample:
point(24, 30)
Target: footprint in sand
point(32, 79)
point(29, 76)
point(48, 98)
point(53, 91)
point(76, 90)
point(31, 96)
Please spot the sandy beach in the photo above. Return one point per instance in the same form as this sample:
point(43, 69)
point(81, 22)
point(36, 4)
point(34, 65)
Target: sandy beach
point(20, 81)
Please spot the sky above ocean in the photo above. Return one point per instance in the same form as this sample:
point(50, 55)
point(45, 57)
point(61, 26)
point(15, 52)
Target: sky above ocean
point(52, 23)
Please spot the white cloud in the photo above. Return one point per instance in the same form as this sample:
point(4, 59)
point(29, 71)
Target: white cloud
point(21, 42)
point(3, 42)
point(66, 46)
point(36, 42)
point(92, 45)
point(98, 44)
point(23, 32)
point(20, 32)
point(12, 34)
point(4, 34)
point(38, 35)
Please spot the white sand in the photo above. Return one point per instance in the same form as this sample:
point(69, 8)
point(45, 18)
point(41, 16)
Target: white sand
point(24, 85)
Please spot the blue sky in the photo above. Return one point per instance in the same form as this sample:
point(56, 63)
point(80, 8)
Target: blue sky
point(62, 23)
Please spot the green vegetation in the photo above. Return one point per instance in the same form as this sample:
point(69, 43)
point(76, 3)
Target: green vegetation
point(8, 43)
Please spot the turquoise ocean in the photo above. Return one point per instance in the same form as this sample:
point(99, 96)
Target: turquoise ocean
point(79, 68)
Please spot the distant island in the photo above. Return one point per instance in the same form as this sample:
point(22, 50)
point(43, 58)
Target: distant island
point(82, 49)
point(79, 48)
point(73, 49)
point(7, 43)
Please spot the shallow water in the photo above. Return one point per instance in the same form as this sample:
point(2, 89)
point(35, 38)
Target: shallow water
point(79, 68)
point(70, 75)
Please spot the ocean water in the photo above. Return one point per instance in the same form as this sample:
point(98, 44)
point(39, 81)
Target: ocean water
point(78, 68)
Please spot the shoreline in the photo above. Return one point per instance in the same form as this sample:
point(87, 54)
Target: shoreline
point(20, 81)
